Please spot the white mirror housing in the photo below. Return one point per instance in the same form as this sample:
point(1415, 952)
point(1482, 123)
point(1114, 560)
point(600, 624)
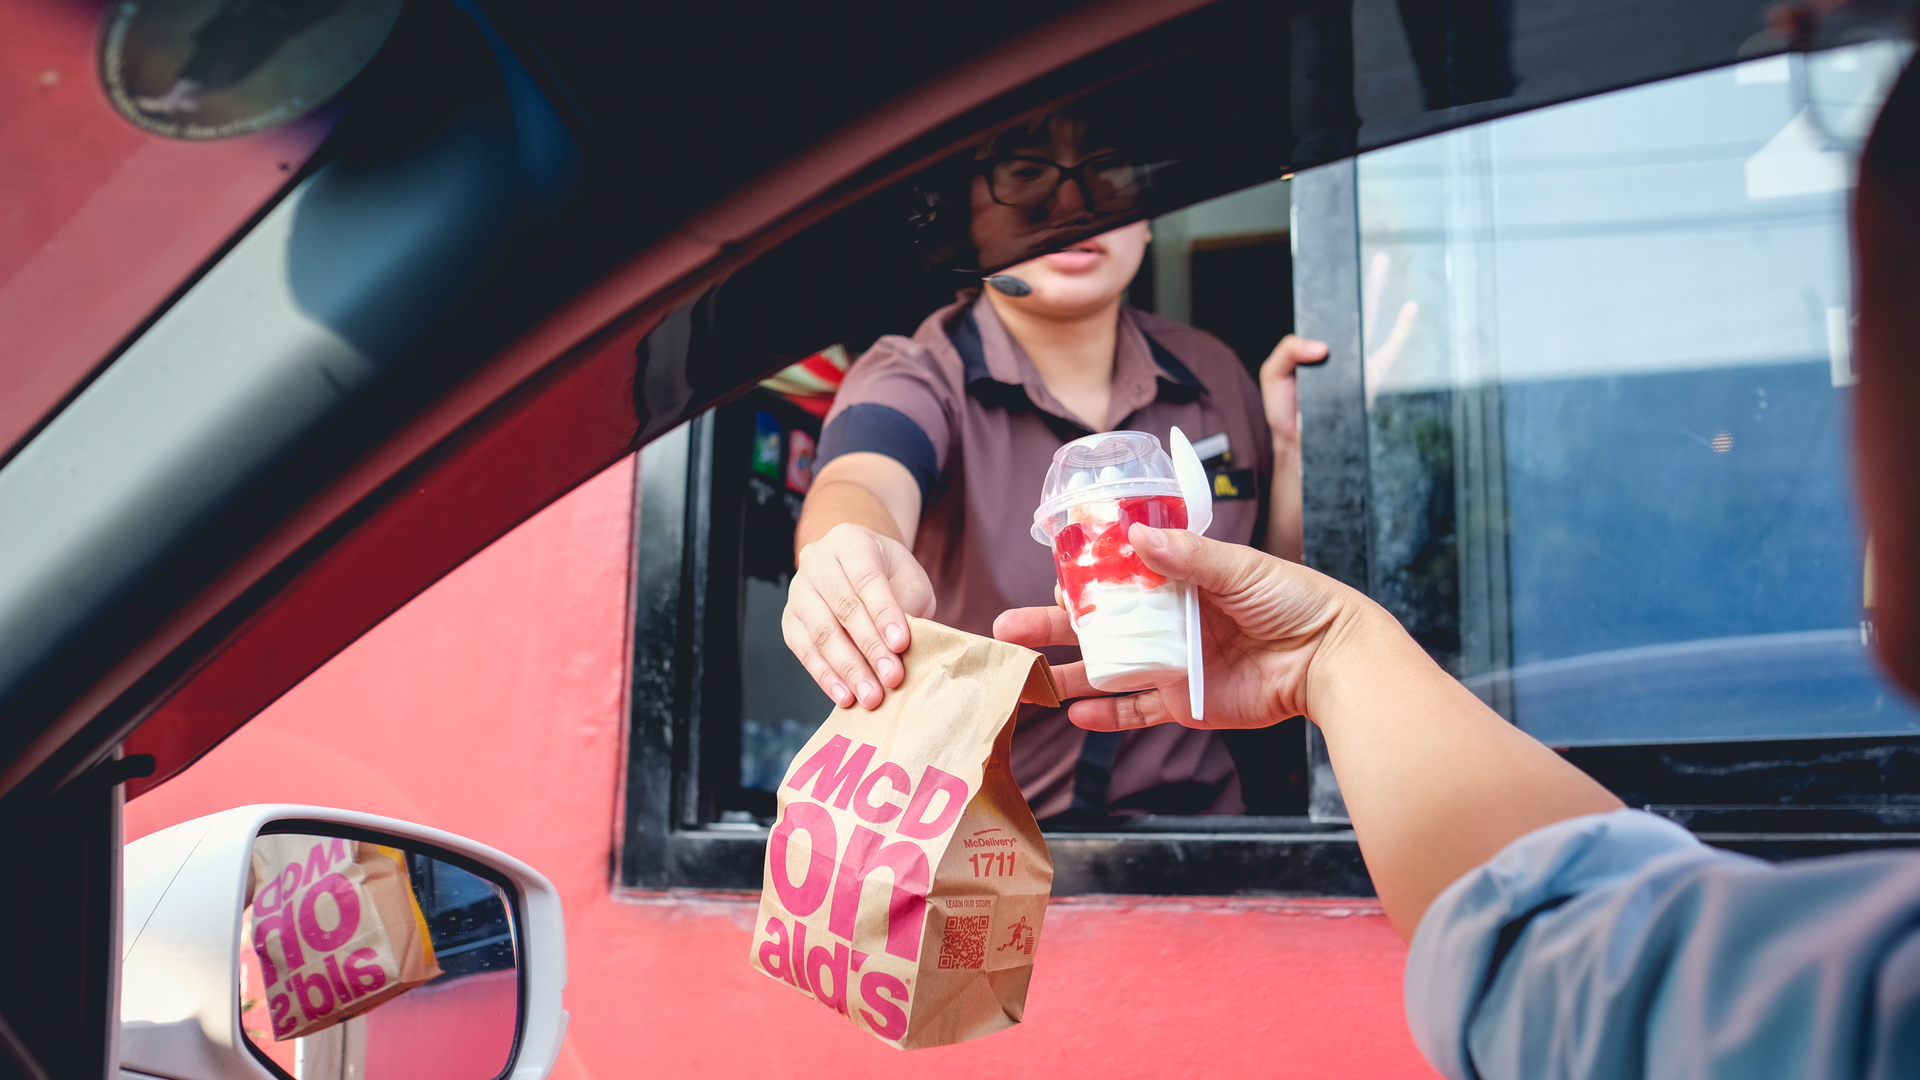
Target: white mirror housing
point(185, 889)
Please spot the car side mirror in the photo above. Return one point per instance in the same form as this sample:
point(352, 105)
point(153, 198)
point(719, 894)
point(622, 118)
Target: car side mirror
point(273, 942)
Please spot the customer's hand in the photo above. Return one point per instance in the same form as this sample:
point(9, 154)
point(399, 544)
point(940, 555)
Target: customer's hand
point(847, 609)
point(1263, 622)
point(1435, 782)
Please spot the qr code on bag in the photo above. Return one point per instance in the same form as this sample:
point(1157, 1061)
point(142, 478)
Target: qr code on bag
point(964, 942)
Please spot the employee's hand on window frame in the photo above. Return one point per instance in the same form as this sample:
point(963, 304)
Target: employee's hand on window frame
point(847, 608)
point(1279, 390)
point(1280, 398)
point(1263, 621)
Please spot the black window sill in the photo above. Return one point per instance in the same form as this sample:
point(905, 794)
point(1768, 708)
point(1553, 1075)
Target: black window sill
point(1780, 833)
point(1254, 856)
point(1158, 856)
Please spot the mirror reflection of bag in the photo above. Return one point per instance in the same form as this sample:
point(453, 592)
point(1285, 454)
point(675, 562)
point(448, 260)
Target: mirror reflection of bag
point(906, 879)
point(336, 928)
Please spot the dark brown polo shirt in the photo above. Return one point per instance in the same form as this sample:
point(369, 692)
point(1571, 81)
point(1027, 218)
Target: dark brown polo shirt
point(963, 408)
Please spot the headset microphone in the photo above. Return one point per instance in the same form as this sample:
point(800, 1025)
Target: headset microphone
point(1009, 285)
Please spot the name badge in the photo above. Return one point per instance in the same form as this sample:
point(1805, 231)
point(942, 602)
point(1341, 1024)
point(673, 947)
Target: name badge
point(1231, 484)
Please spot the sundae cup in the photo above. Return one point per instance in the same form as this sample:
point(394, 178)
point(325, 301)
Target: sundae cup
point(1131, 621)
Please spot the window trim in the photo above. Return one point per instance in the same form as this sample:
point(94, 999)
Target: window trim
point(1336, 524)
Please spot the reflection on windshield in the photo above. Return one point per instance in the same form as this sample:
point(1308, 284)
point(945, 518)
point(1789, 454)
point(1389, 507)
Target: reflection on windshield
point(1149, 144)
point(1608, 374)
point(1040, 186)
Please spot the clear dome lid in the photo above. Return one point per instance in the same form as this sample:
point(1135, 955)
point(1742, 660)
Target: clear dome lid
point(1108, 465)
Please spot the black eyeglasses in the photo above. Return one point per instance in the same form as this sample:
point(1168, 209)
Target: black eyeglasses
point(1109, 183)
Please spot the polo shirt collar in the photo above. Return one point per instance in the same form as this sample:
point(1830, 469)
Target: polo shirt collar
point(998, 371)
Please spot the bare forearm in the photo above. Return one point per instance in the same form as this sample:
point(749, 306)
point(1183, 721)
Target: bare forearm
point(1285, 528)
point(836, 501)
point(1436, 782)
point(866, 489)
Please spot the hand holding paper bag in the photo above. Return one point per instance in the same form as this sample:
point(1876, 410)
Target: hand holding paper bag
point(906, 879)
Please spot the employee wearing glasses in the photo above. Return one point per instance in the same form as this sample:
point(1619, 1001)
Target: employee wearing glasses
point(932, 459)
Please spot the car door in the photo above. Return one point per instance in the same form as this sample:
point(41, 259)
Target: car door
point(507, 258)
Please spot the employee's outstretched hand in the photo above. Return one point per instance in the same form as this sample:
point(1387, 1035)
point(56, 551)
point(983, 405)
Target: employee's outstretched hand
point(1263, 621)
point(846, 611)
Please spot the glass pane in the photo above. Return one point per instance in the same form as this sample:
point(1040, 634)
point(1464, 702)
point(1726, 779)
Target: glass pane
point(780, 705)
point(1609, 377)
point(366, 962)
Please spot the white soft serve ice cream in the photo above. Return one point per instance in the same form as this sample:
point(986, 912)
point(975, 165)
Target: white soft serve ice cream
point(1134, 637)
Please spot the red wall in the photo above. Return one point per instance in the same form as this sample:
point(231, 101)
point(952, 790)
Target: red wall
point(492, 706)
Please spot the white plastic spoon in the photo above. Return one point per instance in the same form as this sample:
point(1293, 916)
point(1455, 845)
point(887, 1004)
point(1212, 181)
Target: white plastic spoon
point(1198, 495)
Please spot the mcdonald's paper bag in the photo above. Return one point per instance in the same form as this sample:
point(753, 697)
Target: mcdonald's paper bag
point(336, 928)
point(906, 880)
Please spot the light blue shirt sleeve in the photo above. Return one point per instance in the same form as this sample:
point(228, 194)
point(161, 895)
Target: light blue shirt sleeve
point(1617, 945)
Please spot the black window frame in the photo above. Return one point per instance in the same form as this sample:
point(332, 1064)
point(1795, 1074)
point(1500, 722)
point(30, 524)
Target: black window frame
point(1777, 799)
